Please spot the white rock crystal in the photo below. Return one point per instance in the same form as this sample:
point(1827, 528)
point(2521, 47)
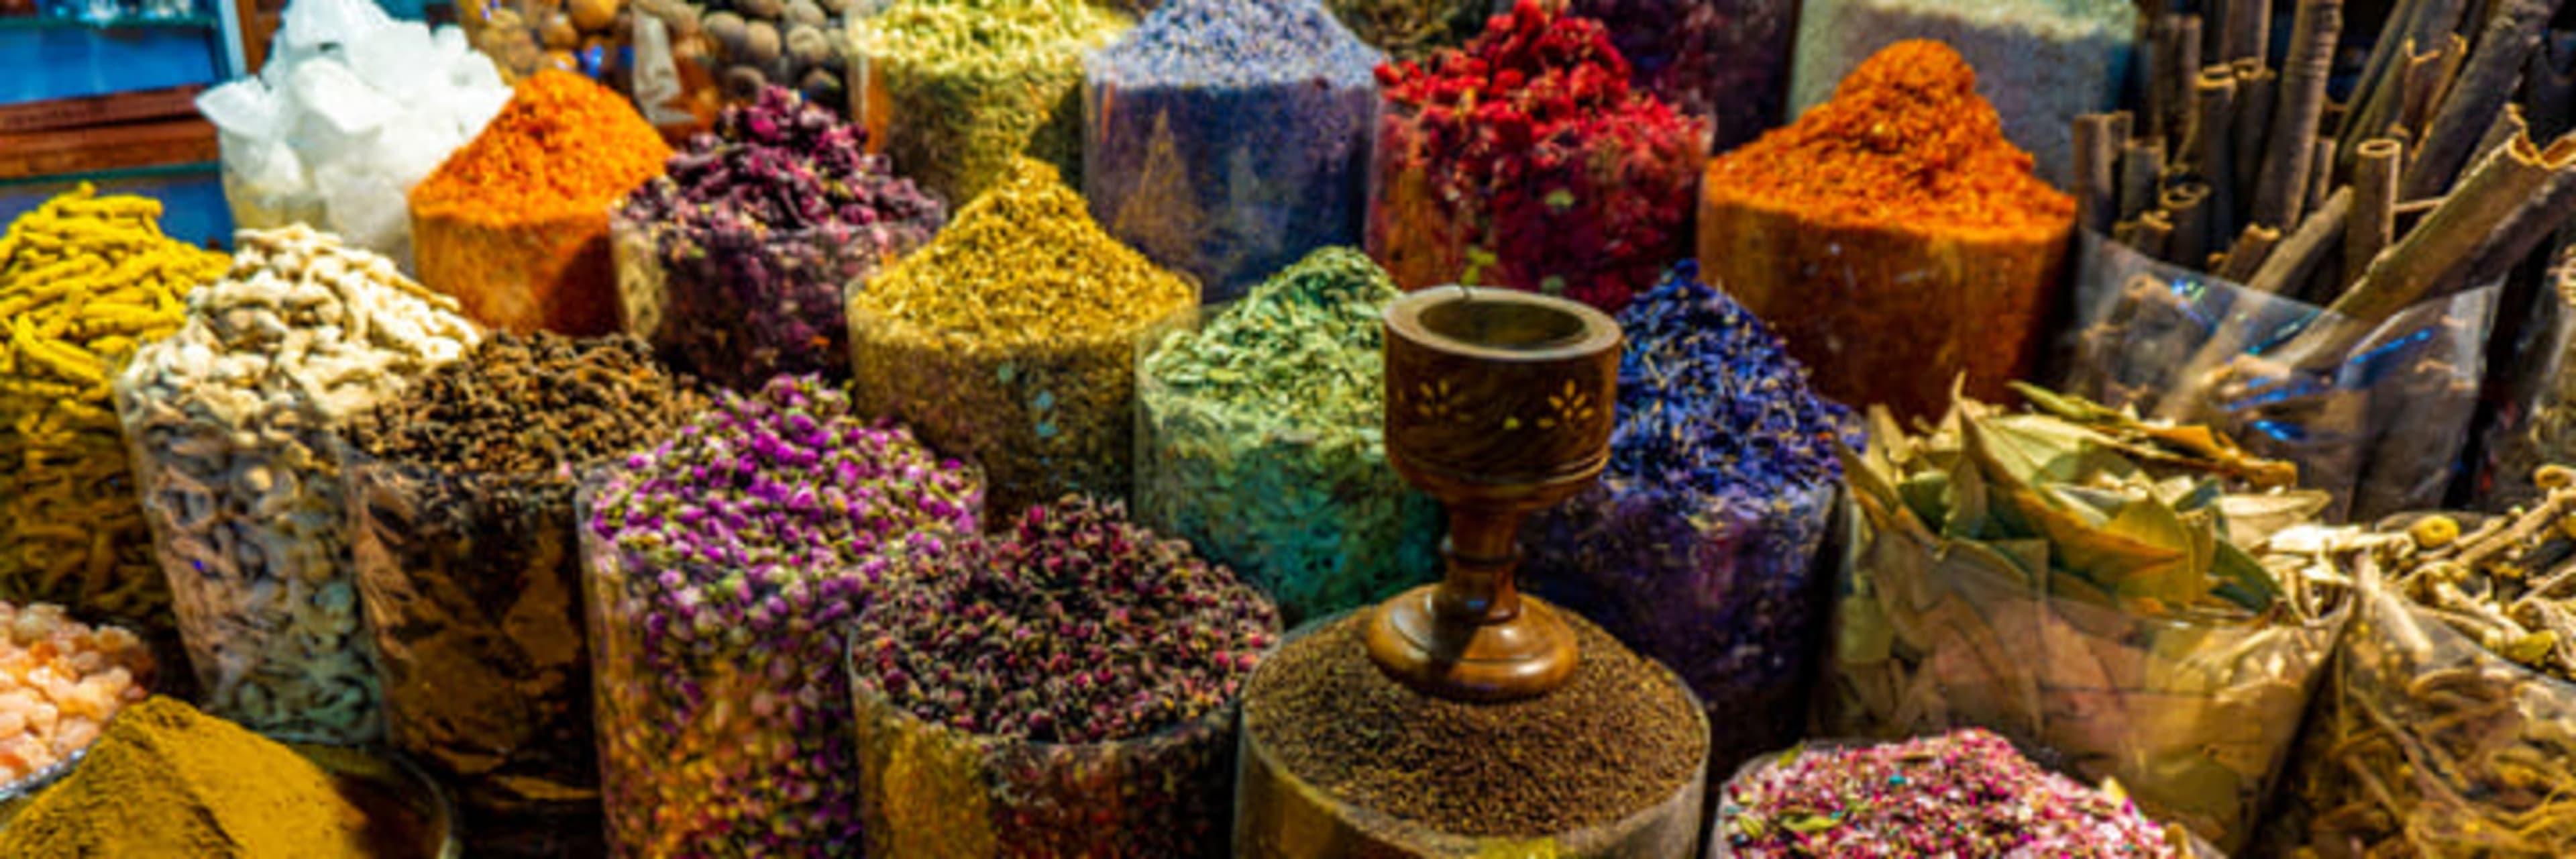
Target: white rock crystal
point(351, 110)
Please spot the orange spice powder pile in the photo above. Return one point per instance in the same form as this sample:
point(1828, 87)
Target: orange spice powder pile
point(564, 145)
point(1905, 140)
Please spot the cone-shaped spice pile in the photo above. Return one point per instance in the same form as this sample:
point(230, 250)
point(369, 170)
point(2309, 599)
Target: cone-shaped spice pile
point(1892, 235)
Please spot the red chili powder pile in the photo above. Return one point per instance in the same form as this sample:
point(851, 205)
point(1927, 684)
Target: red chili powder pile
point(1905, 139)
point(564, 144)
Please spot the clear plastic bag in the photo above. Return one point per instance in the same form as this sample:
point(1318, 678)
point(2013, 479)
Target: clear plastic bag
point(2535, 425)
point(2382, 426)
point(1227, 180)
point(2194, 715)
point(1313, 516)
point(472, 587)
point(934, 792)
point(2041, 62)
point(2427, 743)
point(1725, 593)
point(713, 744)
point(737, 308)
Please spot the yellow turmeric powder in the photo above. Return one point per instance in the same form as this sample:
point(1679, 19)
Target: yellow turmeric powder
point(168, 781)
point(84, 281)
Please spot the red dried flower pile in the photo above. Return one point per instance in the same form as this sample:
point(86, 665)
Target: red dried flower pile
point(1526, 161)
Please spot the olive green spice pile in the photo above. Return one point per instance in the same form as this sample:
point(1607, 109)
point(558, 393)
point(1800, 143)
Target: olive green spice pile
point(1011, 340)
point(1617, 738)
point(1262, 441)
point(968, 84)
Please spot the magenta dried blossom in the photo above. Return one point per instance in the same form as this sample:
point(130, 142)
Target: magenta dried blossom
point(734, 262)
point(724, 567)
point(1076, 627)
point(1966, 793)
point(1066, 688)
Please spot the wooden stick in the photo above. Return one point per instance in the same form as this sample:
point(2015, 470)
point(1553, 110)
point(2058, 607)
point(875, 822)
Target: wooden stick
point(2493, 191)
point(2282, 187)
point(2095, 185)
point(2246, 256)
point(2296, 257)
point(2213, 141)
point(2142, 168)
point(2485, 83)
point(2257, 91)
point(2374, 206)
point(2248, 32)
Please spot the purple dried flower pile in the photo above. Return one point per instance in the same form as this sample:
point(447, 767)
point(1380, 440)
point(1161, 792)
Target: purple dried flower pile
point(724, 567)
point(737, 257)
point(1074, 677)
point(1076, 627)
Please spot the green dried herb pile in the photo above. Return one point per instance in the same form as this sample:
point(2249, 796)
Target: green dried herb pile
point(1260, 441)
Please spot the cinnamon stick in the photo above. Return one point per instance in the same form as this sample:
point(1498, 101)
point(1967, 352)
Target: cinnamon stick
point(2492, 193)
point(2485, 82)
point(2549, 85)
point(2213, 141)
point(2257, 94)
point(2321, 174)
point(2414, 25)
point(2296, 257)
point(2373, 222)
point(2152, 234)
point(2142, 168)
point(2246, 256)
point(2419, 91)
point(2188, 204)
point(2508, 125)
point(2095, 184)
point(2176, 68)
point(2281, 188)
point(2521, 233)
point(2248, 33)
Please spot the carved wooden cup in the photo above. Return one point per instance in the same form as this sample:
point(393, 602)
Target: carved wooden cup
point(1499, 404)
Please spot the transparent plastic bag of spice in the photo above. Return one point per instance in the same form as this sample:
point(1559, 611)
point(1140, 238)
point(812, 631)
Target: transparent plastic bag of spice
point(1720, 825)
point(1723, 60)
point(1725, 592)
point(72, 531)
point(472, 586)
point(737, 308)
point(2041, 63)
point(1041, 419)
point(2535, 423)
point(250, 529)
point(933, 792)
point(954, 131)
point(1599, 227)
point(1316, 520)
point(2383, 429)
point(711, 742)
point(1279, 815)
point(2193, 715)
point(1227, 181)
point(2427, 743)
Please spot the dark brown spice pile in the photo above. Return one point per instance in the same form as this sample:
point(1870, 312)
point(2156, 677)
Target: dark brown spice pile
point(521, 404)
point(1617, 738)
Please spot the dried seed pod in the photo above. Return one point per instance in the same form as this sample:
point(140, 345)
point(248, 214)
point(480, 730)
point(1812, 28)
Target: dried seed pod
point(730, 31)
point(595, 15)
point(761, 43)
point(807, 47)
point(806, 12)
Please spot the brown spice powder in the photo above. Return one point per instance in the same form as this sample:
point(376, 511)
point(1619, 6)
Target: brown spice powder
point(1616, 739)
